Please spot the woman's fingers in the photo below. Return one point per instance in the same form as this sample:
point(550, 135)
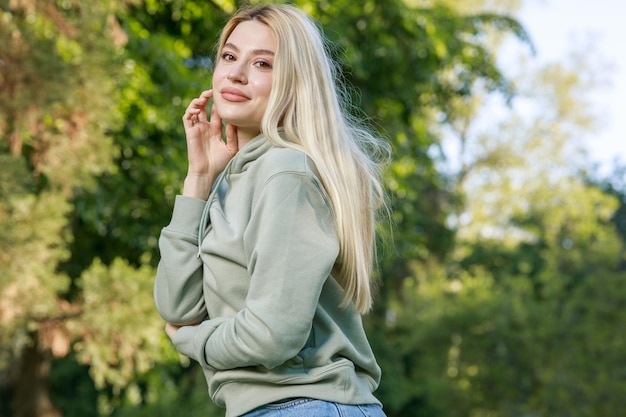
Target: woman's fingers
point(189, 118)
point(201, 103)
point(196, 111)
point(231, 139)
point(215, 121)
point(171, 329)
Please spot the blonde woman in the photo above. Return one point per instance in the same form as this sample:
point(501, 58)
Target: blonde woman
point(265, 267)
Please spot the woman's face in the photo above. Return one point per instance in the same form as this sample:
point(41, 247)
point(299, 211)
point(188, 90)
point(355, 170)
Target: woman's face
point(242, 79)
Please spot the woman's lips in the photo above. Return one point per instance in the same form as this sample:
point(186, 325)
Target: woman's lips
point(232, 94)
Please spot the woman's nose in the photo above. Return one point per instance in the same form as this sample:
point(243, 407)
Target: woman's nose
point(238, 74)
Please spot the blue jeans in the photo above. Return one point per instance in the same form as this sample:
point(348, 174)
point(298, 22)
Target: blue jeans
point(307, 407)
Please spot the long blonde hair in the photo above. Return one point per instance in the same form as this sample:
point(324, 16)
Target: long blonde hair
point(309, 104)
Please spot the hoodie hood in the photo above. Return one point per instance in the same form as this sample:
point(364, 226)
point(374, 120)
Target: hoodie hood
point(250, 152)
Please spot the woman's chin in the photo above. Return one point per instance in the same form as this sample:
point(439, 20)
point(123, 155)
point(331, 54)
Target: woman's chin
point(229, 118)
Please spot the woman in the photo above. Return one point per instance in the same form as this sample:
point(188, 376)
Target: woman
point(266, 264)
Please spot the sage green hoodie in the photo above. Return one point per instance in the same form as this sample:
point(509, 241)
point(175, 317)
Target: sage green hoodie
point(252, 265)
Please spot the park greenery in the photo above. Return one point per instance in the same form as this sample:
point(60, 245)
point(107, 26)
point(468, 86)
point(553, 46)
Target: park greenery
point(502, 264)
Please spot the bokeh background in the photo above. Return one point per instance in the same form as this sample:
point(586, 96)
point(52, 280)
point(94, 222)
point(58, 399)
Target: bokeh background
point(502, 269)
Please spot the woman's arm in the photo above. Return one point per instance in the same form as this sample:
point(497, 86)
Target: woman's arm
point(207, 152)
point(178, 286)
point(292, 246)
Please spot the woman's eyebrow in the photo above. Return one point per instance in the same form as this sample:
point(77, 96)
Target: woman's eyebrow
point(254, 51)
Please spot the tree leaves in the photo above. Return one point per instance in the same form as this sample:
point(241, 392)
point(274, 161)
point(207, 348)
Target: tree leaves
point(491, 272)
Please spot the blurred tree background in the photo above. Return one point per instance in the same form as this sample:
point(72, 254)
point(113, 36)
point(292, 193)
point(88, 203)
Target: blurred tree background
point(503, 273)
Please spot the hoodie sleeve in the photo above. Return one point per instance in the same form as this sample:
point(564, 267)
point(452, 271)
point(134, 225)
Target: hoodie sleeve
point(292, 245)
point(178, 286)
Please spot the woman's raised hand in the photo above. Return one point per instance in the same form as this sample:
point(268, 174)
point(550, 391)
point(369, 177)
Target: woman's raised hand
point(207, 151)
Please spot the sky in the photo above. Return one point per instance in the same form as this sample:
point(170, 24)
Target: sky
point(557, 27)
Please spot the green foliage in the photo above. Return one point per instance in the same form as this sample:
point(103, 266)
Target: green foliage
point(456, 343)
point(56, 94)
point(114, 343)
point(165, 66)
point(614, 185)
point(517, 312)
point(585, 376)
point(32, 240)
point(479, 343)
point(408, 64)
point(165, 391)
point(73, 391)
point(56, 113)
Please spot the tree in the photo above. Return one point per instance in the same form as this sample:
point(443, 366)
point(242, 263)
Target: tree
point(167, 62)
point(94, 162)
point(57, 108)
point(613, 184)
point(537, 236)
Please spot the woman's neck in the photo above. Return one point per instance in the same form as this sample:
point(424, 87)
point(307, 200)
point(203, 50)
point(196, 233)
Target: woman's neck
point(246, 135)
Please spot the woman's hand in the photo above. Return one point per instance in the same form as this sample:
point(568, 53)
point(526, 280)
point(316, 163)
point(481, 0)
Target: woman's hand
point(207, 152)
point(171, 329)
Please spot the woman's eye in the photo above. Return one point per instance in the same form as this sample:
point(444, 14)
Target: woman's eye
point(263, 64)
point(228, 56)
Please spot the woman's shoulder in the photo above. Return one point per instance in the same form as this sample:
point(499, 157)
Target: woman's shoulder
point(284, 161)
